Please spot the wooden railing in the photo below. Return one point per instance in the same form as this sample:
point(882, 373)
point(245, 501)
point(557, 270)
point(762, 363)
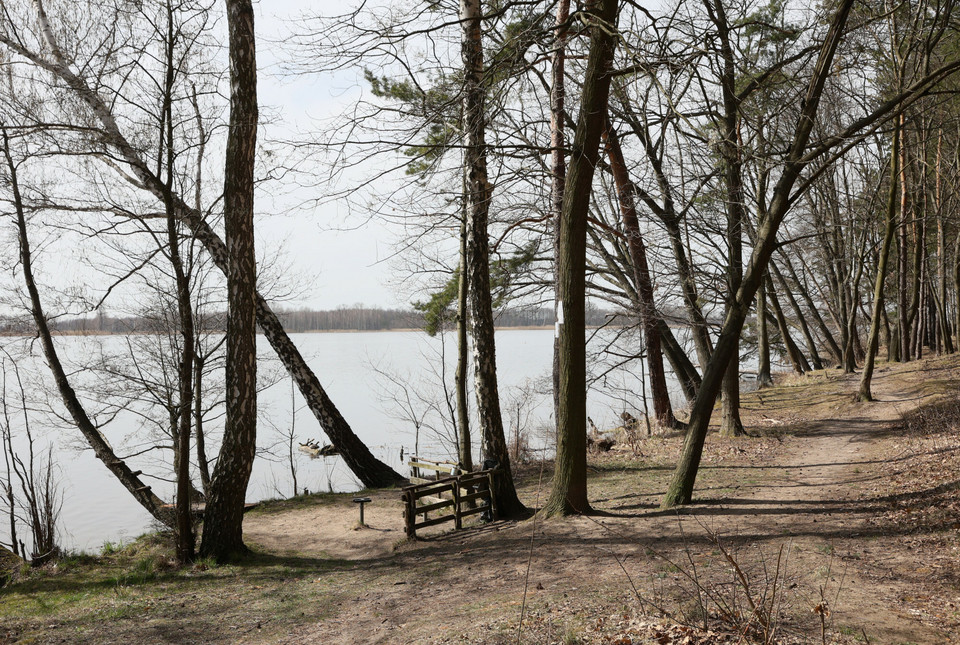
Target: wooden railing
point(419, 469)
point(454, 495)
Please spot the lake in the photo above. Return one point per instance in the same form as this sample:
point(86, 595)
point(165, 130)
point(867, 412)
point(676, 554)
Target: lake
point(381, 382)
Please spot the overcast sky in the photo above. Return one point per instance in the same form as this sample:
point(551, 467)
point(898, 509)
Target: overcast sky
point(337, 259)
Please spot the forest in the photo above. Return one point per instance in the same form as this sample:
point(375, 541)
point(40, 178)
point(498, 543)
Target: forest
point(722, 187)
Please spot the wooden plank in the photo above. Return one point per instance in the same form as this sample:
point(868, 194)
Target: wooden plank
point(422, 510)
point(432, 491)
point(431, 484)
point(474, 511)
point(483, 494)
point(427, 466)
point(471, 479)
point(444, 503)
point(436, 520)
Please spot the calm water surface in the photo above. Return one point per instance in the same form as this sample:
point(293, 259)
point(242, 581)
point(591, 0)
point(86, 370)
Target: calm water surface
point(369, 376)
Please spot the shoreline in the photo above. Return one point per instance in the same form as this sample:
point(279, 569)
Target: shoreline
point(307, 331)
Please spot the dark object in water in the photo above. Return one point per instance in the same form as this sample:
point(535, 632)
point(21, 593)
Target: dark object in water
point(314, 449)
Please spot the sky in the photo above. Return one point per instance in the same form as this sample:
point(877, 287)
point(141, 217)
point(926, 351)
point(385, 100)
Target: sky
point(336, 257)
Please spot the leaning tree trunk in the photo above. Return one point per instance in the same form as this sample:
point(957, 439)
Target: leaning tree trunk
point(478, 193)
point(684, 369)
point(104, 452)
point(569, 494)
point(368, 469)
point(223, 517)
point(626, 195)
point(680, 490)
point(811, 343)
point(812, 307)
point(797, 359)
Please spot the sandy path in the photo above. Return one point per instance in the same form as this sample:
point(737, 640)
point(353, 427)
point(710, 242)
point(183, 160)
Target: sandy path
point(814, 495)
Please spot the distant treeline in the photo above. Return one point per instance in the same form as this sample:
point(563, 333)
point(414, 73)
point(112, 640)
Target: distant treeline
point(300, 320)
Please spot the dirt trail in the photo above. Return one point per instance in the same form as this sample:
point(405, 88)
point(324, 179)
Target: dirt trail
point(823, 495)
point(819, 490)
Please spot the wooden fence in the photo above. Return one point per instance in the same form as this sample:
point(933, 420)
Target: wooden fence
point(455, 496)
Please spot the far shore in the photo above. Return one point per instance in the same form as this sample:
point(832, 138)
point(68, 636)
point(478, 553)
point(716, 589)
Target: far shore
point(9, 334)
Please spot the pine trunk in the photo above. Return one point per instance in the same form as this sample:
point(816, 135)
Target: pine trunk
point(649, 318)
point(463, 353)
point(569, 494)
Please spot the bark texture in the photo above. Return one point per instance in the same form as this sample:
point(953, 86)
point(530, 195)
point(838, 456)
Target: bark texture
point(478, 193)
point(569, 494)
point(223, 517)
point(558, 160)
point(626, 196)
point(463, 353)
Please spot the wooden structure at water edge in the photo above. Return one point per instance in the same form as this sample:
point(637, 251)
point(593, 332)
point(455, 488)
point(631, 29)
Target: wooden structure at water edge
point(197, 509)
point(455, 495)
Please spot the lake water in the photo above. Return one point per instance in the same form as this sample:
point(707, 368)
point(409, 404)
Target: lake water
point(370, 376)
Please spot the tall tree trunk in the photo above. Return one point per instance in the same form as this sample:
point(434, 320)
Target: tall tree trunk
point(463, 350)
point(683, 368)
point(730, 424)
point(903, 316)
point(662, 409)
point(558, 162)
point(203, 464)
point(181, 427)
point(371, 471)
point(569, 493)
point(478, 195)
point(680, 490)
point(223, 517)
point(945, 331)
point(764, 378)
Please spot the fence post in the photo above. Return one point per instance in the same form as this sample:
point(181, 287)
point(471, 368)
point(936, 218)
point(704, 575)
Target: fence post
point(493, 504)
point(457, 520)
point(409, 513)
